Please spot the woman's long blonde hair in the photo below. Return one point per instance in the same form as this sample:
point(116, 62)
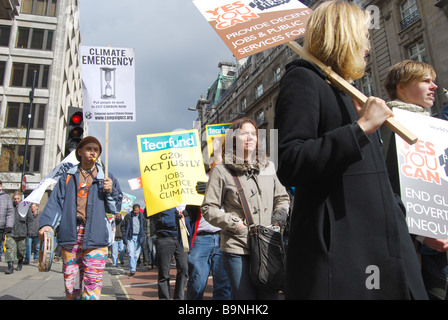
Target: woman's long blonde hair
point(337, 33)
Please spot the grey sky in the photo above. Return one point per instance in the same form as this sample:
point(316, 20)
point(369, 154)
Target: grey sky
point(176, 58)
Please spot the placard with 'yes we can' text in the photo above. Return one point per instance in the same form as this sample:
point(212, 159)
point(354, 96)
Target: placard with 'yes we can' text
point(251, 26)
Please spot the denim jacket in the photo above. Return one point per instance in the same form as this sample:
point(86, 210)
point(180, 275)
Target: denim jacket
point(60, 210)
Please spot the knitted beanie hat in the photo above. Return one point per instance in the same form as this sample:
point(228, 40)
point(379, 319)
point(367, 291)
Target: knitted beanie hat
point(85, 141)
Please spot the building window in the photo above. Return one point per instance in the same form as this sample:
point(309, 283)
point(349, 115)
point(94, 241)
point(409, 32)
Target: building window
point(17, 115)
point(259, 91)
point(5, 32)
point(260, 118)
point(2, 71)
point(277, 74)
point(39, 7)
point(417, 52)
point(39, 39)
point(49, 40)
point(22, 75)
point(12, 158)
point(366, 85)
point(243, 104)
point(23, 35)
point(409, 13)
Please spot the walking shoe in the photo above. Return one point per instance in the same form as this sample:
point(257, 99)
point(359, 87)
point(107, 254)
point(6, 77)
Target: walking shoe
point(10, 268)
point(19, 265)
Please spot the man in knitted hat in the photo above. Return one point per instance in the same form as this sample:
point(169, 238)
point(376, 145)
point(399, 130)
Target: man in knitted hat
point(78, 206)
point(86, 141)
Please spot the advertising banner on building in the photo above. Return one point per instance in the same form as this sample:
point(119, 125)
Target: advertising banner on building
point(108, 84)
point(215, 133)
point(423, 170)
point(251, 26)
point(171, 165)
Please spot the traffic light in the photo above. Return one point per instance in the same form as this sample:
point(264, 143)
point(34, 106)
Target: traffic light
point(74, 129)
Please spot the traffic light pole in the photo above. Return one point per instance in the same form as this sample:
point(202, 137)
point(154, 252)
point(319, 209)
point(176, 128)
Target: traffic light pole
point(29, 126)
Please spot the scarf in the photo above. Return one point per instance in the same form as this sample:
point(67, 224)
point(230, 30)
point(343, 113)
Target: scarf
point(244, 167)
point(408, 107)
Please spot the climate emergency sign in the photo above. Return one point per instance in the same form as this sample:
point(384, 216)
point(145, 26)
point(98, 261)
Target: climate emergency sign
point(171, 165)
point(423, 169)
point(251, 26)
point(108, 84)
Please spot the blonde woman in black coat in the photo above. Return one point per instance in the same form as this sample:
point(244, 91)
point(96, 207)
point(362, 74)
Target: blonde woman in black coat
point(348, 236)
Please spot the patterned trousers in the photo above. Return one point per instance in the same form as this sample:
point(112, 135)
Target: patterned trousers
point(15, 248)
point(83, 265)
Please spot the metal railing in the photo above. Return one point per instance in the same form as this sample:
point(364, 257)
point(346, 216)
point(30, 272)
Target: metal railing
point(409, 20)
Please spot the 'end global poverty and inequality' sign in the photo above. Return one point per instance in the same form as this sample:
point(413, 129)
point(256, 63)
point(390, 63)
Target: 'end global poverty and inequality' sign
point(251, 26)
point(423, 171)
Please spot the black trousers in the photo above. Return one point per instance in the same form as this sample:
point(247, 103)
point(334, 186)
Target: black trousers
point(166, 247)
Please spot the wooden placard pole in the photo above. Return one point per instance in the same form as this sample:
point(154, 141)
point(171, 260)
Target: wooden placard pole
point(184, 234)
point(343, 85)
point(106, 151)
point(106, 147)
point(183, 227)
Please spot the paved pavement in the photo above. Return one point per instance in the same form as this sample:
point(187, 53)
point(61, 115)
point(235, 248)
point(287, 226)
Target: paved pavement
point(143, 285)
point(30, 284)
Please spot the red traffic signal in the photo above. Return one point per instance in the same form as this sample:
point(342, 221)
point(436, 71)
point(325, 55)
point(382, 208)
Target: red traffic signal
point(74, 129)
point(76, 118)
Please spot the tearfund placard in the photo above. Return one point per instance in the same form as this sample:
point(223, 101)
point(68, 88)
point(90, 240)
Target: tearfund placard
point(215, 134)
point(171, 164)
point(251, 26)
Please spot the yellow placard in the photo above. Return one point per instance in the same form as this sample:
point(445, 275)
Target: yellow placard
point(171, 164)
point(215, 133)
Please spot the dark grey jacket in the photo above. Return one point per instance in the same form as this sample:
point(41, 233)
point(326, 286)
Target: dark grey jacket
point(6, 212)
point(20, 228)
point(33, 223)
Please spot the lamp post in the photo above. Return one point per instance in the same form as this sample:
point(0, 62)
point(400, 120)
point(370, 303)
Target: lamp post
point(199, 108)
point(28, 130)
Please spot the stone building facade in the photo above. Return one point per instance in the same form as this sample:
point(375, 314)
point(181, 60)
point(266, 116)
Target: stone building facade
point(44, 37)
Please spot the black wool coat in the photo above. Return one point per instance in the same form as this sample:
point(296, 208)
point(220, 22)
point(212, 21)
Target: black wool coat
point(348, 237)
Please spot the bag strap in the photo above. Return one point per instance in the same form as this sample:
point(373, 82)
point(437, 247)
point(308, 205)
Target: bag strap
point(244, 203)
point(68, 179)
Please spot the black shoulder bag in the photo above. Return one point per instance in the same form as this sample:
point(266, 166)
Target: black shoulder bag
point(267, 252)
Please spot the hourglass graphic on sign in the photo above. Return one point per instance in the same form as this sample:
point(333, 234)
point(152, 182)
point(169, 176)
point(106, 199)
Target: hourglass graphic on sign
point(107, 83)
